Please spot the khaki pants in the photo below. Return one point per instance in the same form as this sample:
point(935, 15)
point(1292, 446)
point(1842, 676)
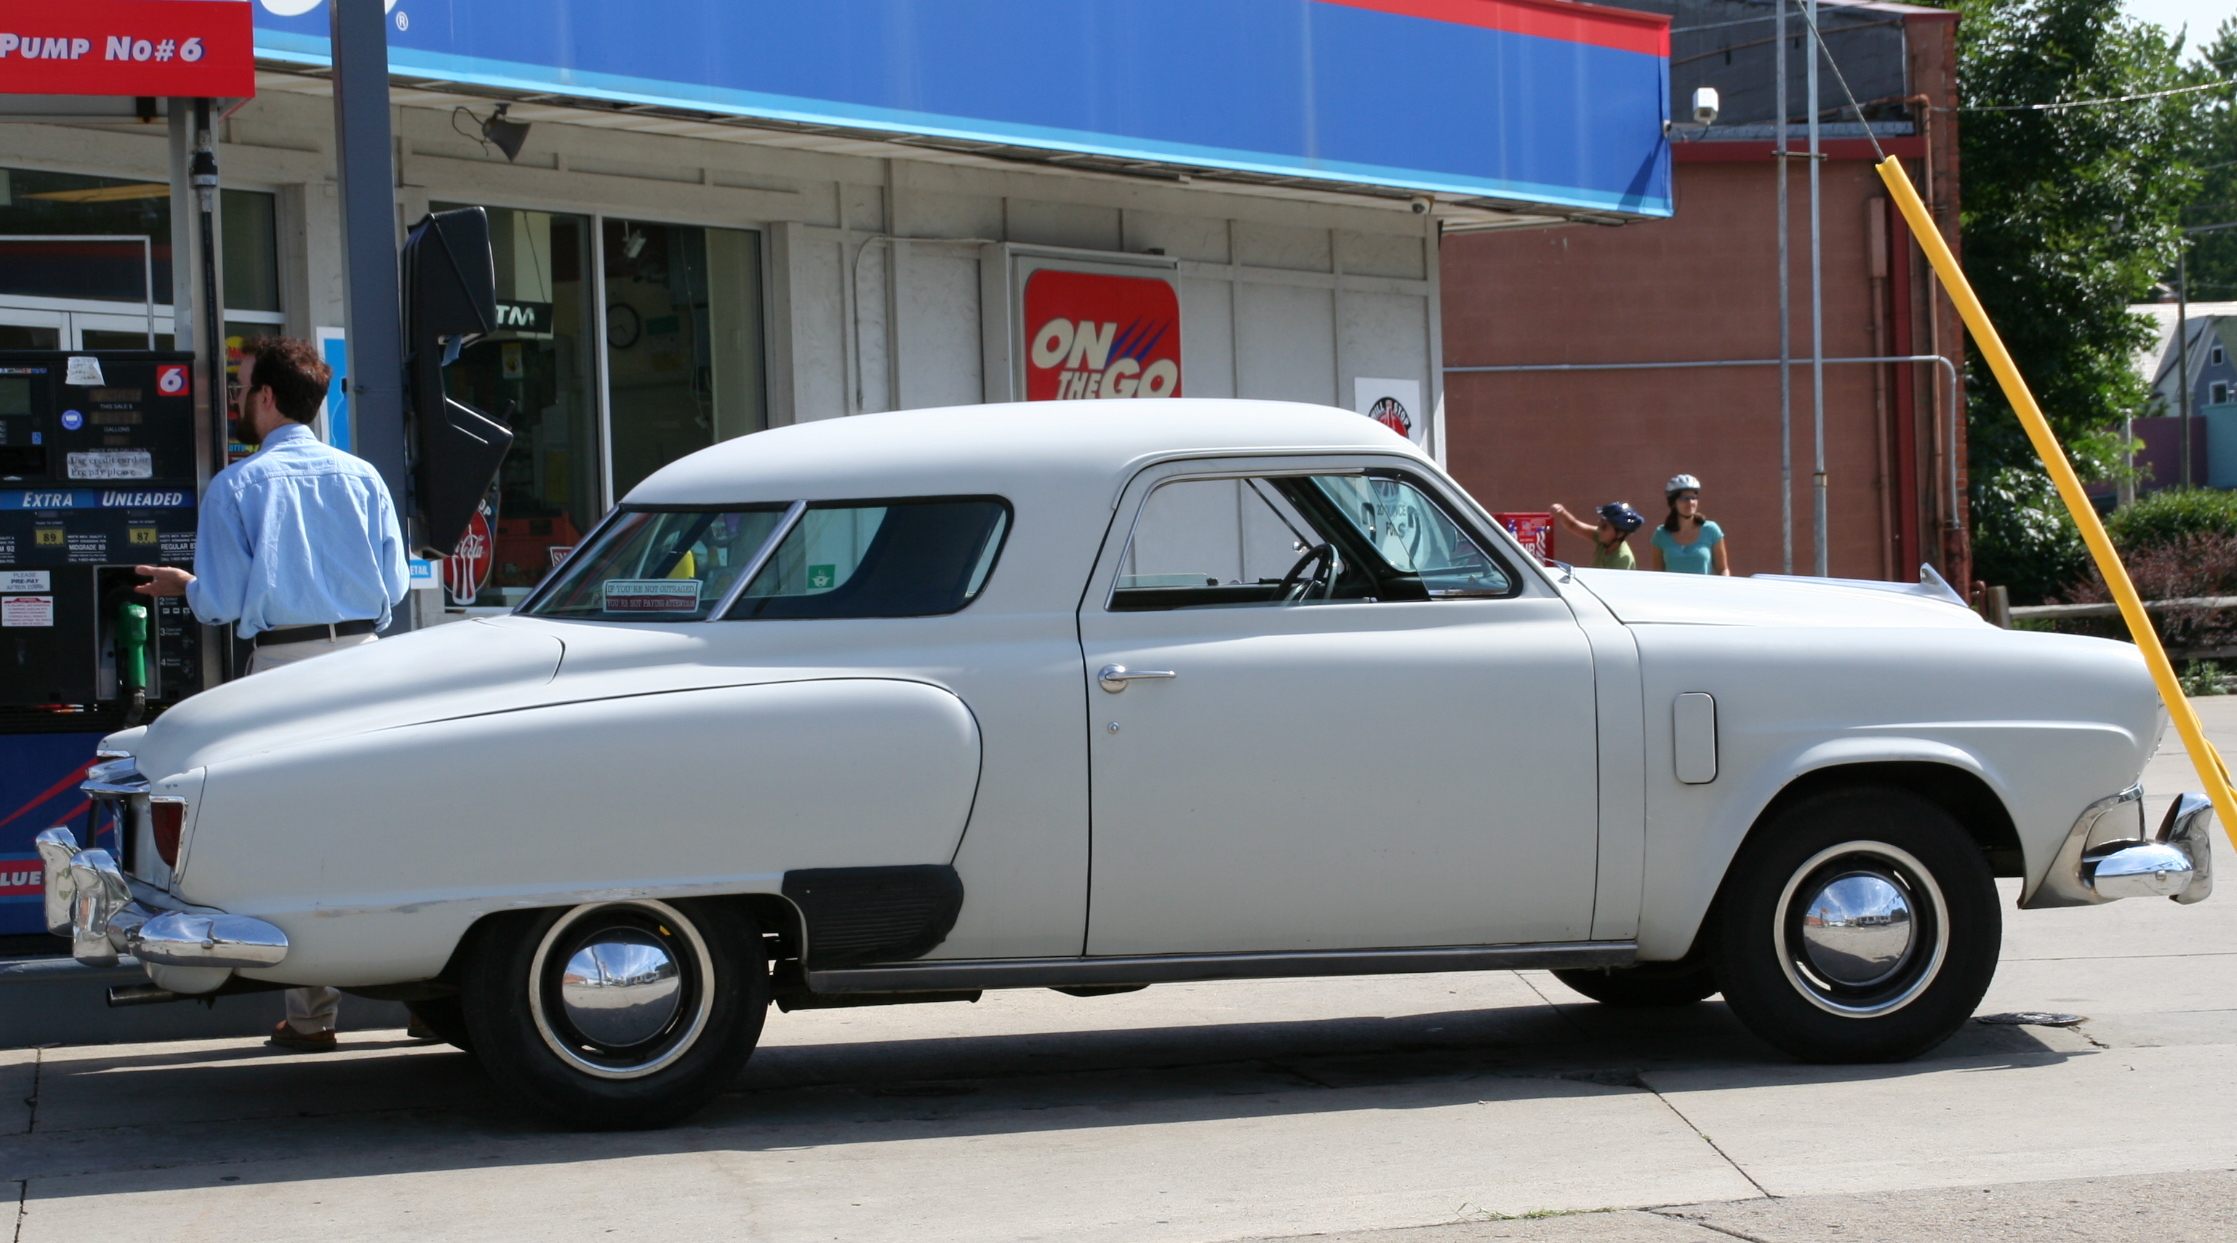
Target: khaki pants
point(309, 1010)
point(278, 654)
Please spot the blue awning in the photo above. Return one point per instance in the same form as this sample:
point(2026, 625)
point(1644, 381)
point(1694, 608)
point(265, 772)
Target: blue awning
point(1509, 103)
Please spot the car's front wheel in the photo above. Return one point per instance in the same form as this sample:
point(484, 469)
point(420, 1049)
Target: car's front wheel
point(617, 1014)
point(1857, 925)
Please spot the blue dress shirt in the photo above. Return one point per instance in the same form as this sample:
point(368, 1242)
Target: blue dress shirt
point(298, 534)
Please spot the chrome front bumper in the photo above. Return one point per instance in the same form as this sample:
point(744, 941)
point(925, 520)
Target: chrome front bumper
point(90, 900)
point(2106, 855)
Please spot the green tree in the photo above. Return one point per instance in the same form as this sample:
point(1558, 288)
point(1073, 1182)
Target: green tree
point(2213, 256)
point(2069, 216)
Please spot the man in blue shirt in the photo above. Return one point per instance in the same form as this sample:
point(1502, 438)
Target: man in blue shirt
point(299, 544)
point(299, 547)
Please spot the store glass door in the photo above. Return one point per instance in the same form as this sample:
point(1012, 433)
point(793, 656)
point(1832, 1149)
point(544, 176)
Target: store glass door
point(535, 375)
point(25, 329)
point(683, 342)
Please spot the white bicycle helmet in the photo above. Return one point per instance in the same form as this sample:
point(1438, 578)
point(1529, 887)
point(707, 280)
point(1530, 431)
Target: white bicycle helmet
point(1680, 483)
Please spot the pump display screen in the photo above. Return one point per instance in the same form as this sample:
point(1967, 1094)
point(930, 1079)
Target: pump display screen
point(15, 395)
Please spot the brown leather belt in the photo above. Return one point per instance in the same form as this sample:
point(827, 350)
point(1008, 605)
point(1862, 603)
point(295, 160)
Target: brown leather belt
point(310, 634)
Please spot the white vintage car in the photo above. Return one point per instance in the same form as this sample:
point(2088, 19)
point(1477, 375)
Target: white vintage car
point(1095, 695)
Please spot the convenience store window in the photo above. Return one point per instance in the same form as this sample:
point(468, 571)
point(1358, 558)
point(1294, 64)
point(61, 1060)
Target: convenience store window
point(684, 357)
point(91, 294)
point(537, 376)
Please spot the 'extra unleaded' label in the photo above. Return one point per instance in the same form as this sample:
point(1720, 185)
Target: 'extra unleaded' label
point(652, 595)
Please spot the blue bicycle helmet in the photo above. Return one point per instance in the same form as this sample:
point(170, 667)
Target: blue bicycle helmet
point(1621, 516)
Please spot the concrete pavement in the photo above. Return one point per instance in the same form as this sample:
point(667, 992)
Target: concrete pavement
point(1412, 1109)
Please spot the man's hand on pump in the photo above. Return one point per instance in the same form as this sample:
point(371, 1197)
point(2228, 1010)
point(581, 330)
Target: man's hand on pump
point(163, 580)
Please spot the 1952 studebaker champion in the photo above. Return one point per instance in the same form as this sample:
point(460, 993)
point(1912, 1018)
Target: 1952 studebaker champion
point(1093, 695)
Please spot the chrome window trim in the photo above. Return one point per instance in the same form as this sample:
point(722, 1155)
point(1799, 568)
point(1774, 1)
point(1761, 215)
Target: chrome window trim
point(759, 561)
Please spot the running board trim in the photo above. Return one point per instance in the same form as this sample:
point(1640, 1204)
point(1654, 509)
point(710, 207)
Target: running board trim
point(1178, 968)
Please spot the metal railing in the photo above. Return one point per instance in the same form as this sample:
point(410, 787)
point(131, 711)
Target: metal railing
point(2110, 609)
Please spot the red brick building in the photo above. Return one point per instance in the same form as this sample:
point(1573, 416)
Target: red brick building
point(1703, 287)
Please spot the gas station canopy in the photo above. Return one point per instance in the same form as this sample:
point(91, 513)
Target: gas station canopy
point(1513, 105)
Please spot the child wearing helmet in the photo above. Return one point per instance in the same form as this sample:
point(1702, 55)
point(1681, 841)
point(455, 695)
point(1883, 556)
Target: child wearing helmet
point(1611, 537)
point(1686, 542)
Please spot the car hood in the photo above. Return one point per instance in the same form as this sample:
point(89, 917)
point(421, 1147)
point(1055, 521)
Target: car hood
point(460, 669)
point(1645, 598)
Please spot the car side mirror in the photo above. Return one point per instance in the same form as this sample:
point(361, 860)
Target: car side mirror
point(450, 298)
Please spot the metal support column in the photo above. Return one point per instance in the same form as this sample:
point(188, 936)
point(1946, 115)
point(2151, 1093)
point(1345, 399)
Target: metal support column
point(366, 165)
point(1786, 295)
point(1817, 305)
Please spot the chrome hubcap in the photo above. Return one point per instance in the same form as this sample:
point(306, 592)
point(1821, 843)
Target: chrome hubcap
point(1856, 930)
point(1862, 929)
point(621, 990)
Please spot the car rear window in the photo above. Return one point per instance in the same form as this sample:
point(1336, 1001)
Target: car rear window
point(893, 559)
point(912, 557)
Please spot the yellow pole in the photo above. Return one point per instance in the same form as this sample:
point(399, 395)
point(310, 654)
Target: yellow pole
point(2211, 770)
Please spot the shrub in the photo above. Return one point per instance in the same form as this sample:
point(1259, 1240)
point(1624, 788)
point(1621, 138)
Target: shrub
point(2200, 564)
point(2168, 516)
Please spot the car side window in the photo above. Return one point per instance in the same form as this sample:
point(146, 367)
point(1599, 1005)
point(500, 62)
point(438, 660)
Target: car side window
point(1414, 535)
point(1298, 539)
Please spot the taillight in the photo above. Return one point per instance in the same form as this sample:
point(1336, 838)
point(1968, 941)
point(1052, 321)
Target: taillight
point(167, 816)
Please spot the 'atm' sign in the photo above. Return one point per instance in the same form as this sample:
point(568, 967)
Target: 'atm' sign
point(1092, 335)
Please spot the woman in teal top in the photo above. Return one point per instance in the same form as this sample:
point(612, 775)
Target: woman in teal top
point(1686, 542)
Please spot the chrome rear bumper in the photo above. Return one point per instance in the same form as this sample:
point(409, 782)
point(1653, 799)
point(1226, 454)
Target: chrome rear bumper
point(2106, 855)
point(91, 901)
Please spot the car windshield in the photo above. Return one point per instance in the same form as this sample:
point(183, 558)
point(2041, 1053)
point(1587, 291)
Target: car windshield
point(649, 565)
point(914, 557)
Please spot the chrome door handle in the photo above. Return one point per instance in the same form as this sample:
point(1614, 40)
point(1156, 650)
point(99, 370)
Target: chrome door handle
point(1114, 678)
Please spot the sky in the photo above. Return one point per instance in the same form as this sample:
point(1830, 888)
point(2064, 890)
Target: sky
point(2202, 16)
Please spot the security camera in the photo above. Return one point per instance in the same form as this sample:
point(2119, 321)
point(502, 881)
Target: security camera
point(1705, 105)
point(1420, 206)
point(1704, 113)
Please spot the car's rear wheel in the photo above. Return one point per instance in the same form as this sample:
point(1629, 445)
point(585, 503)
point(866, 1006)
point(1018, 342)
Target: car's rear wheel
point(1857, 925)
point(1647, 985)
point(617, 1014)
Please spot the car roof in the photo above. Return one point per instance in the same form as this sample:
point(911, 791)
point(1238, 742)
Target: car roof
point(1029, 452)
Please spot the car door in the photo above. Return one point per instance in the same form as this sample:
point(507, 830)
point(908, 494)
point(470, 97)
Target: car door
point(1325, 714)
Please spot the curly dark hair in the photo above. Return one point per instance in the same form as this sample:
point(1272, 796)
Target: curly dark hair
point(292, 369)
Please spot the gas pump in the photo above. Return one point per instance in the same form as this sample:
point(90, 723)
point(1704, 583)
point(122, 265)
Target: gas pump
point(97, 475)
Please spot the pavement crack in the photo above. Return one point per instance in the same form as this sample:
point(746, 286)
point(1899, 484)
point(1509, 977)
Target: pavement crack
point(1558, 1008)
point(31, 1102)
point(1712, 1227)
point(1670, 1105)
point(23, 1206)
point(1293, 1072)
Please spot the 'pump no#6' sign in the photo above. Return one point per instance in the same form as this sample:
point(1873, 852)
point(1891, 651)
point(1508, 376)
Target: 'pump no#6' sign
point(1093, 335)
point(127, 47)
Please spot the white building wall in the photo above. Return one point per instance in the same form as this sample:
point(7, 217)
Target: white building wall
point(1280, 298)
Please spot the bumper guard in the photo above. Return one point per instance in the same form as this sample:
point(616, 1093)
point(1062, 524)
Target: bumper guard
point(2107, 857)
point(92, 902)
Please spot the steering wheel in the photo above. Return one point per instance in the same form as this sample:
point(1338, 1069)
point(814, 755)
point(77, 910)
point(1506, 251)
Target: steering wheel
point(1297, 586)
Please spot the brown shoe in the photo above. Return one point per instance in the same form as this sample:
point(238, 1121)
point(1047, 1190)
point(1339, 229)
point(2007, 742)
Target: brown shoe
point(286, 1037)
point(416, 1028)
